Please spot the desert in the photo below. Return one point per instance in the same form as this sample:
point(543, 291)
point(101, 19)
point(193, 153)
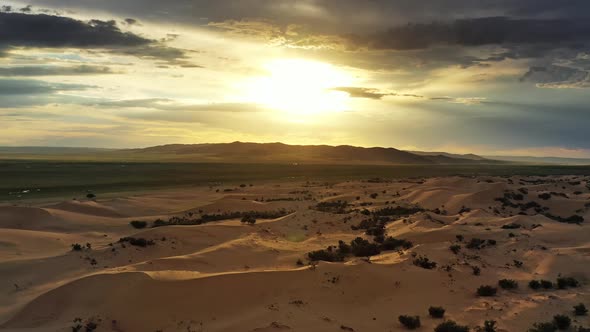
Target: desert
point(294, 165)
point(300, 256)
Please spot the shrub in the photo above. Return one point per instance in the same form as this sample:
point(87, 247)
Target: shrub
point(336, 207)
point(376, 231)
point(575, 219)
point(543, 327)
point(562, 322)
point(545, 196)
point(487, 290)
point(325, 255)
point(424, 263)
point(455, 248)
point(563, 283)
point(410, 322)
point(475, 243)
point(76, 247)
point(546, 284)
point(90, 326)
point(138, 242)
point(343, 248)
point(508, 284)
point(489, 326)
point(392, 243)
point(90, 196)
point(248, 219)
point(511, 226)
point(299, 262)
point(450, 326)
point(138, 224)
point(436, 312)
point(363, 248)
point(518, 263)
point(580, 310)
point(476, 270)
point(534, 284)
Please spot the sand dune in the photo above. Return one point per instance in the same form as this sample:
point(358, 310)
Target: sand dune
point(227, 276)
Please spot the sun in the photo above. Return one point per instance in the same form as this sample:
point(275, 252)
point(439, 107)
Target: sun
point(300, 86)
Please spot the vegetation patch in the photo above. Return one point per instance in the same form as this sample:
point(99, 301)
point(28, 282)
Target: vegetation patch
point(358, 247)
point(424, 263)
point(138, 242)
point(575, 219)
point(436, 312)
point(508, 284)
point(580, 310)
point(337, 207)
point(138, 224)
point(451, 326)
point(207, 218)
point(486, 291)
point(567, 282)
point(410, 322)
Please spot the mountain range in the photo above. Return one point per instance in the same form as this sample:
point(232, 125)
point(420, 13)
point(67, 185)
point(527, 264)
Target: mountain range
point(243, 152)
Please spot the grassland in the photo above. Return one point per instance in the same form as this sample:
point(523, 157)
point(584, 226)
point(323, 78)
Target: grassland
point(62, 178)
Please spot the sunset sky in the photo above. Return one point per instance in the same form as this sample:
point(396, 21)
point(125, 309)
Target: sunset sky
point(499, 77)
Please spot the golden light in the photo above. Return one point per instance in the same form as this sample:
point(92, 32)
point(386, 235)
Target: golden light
point(300, 87)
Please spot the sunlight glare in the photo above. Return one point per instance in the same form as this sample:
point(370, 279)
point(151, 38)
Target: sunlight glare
point(300, 87)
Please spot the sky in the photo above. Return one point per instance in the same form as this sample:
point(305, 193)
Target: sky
point(493, 77)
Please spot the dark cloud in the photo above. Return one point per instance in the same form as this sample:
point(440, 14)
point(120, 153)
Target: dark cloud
point(131, 21)
point(31, 87)
point(329, 16)
point(26, 9)
point(557, 77)
point(357, 92)
point(54, 70)
point(41, 30)
point(16, 93)
point(57, 31)
point(478, 32)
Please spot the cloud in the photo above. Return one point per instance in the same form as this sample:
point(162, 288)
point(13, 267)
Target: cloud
point(463, 100)
point(31, 87)
point(165, 104)
point(477, 32)
point(289, 35)
point(55, 70)
point(131, 21)
point(554, 76)
point(16, 93)
point(358, 92)
point(463, 42)
point(370, 93)
point(41, 30)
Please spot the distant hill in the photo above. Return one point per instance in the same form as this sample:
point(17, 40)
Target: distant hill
point(279, 152)
point(240, 152)
point(469, 156)
point(543, 160)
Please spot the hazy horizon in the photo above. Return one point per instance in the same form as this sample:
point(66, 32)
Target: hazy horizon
point(517, 156)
